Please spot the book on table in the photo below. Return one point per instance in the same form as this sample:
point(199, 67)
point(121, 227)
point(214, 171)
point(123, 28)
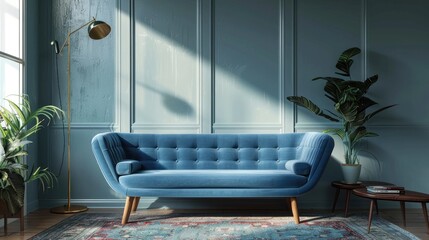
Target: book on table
point(385, 189)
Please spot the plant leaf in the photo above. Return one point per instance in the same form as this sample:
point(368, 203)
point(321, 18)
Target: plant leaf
point(45, 177)
point(13, 195)
point(360, 133)
point(349, 53)
point(332, 87)
point(336, 131)
point(348, 110)
point(345, 62)
point(309, 105)
point(364, 103)
point(369, 116)
point(18, 122)
point(369, 81)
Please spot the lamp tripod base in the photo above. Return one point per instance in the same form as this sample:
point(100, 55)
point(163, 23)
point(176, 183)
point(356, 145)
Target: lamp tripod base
point(69, 209)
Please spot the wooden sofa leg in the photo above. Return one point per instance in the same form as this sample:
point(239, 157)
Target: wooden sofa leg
point(294, 207)
point(135, 204)
point(127, 209)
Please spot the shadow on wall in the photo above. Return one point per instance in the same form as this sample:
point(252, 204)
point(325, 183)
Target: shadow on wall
point(251, 63)
point(172, 103)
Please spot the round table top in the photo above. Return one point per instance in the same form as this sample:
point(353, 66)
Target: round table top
point(407, 196)
point(343, 185)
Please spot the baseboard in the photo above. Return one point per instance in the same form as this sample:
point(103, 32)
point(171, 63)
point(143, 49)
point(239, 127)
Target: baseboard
point(31, 206)
point(90, 203)
point(190, 203)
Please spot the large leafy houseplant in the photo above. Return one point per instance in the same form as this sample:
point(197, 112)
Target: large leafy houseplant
point(18, 122)
point(350, 104)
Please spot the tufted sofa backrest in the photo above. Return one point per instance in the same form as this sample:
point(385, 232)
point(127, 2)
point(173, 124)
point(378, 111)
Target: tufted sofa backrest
point(216, 151)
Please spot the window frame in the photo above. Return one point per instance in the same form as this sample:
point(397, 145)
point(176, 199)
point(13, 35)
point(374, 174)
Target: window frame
point(22, 52)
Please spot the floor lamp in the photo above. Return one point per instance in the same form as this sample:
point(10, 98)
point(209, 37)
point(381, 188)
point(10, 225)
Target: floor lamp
point(96, 30)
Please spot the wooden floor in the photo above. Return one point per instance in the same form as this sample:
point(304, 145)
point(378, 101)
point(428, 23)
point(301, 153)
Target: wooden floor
point(39, 220)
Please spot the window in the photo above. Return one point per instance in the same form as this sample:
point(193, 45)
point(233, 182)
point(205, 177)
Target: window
point(11, 61)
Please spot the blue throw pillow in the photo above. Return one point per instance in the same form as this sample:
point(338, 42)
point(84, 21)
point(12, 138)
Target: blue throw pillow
point(298, 167)
point(128, 167)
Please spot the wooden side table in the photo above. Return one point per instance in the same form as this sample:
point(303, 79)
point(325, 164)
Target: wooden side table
point(349, 187)
point(408, 196)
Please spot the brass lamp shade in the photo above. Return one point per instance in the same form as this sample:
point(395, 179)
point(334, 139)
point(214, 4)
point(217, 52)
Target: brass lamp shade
point(98, 30)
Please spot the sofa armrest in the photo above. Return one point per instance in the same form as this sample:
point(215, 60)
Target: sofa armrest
point(127, 167)
point(108, 152)
point(316, 149)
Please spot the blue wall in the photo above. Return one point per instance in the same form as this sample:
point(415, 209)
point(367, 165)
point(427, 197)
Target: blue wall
point(31, 73)
point(227, 66)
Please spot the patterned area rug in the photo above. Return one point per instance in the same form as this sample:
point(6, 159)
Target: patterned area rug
point(107, 226)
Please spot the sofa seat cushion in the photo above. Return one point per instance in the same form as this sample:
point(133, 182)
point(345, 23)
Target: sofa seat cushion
point(213, 179)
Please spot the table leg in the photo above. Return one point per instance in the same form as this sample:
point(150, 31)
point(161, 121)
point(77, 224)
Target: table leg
point(21, 219)
point(425, 214)
point(347, 202)
point(376, 206)
point(5, 225)
point(403, 213)
point(371, 209)
point(337, 193)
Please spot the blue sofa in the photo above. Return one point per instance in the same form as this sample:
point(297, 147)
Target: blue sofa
point(211, 165)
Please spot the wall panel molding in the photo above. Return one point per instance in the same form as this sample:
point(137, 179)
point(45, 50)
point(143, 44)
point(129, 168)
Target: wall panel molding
point(206, 38)
point(364, 32)
point(289, 64)
point(124, 65)
point(86, 126)
point(310, 126)
point(320, 36)
point(200, 62)
point(166, 128)
point(247, 128)
point(248, 68)
point(168, 63)
point(282, 84)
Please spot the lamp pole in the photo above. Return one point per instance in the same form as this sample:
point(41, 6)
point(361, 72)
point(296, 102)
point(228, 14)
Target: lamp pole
point(96, 30)
point(69, 125)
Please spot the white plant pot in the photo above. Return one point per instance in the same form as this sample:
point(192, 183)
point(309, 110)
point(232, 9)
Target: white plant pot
point(351, 173)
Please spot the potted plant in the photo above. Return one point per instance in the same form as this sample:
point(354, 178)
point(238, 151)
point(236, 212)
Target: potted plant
point(350, 105)
point(18, 122)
